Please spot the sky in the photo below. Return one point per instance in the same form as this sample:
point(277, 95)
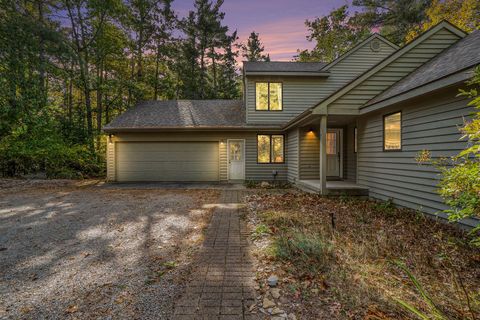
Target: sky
point(280, 23)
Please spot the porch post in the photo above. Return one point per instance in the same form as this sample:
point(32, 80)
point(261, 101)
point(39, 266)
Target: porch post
point(323, 154)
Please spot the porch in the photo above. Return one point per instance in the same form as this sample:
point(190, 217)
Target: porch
point(334, 188)
point(327, 158)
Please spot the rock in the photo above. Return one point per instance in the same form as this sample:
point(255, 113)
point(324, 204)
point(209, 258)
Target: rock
point(284, 300)
point(291, 316)
point(267, 303)
point(314, 291)
point(272, 281)
point(275, 292)
point(277, 318)
point(276, 311)
point(264, 184)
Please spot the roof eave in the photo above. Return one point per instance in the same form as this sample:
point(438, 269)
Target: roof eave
point(287, 74)
point(438, 84)
point(170, 129)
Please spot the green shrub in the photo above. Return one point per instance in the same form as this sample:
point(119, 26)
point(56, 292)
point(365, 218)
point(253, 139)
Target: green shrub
point(45, 151)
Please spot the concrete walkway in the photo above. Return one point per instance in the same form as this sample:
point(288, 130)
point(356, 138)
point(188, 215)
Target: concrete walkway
point(222, 285)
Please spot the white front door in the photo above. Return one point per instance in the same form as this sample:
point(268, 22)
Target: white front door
point(236, 159)
point(334, 152)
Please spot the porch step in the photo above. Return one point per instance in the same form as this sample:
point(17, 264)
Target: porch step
point(307, 187)
point(334, 188)
point(352, 192)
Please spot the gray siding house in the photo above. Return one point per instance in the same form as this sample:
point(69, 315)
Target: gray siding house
point(355, 124)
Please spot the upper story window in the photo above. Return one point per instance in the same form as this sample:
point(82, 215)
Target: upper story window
point(392, 132)
point(269, 96)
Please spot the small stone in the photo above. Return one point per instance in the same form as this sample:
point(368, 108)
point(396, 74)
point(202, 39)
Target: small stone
point(276, 311)
point(314, 291)
point(264, 184)
point(291, 316)
point(268, 303)
point(272, 281)
point(275, 292)
point(277, 318)
point(284, 300)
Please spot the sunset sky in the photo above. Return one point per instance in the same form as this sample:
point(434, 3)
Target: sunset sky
point(279, 22)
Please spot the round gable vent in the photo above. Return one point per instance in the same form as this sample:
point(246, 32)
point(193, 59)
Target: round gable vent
point(375, 45)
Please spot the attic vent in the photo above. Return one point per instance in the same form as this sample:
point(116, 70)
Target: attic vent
point(375, 45)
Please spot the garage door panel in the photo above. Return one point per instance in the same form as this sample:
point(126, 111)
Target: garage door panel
point(167, 161)
point(166, 156)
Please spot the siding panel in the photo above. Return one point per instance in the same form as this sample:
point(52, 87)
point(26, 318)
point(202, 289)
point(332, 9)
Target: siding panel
point(302, 93)
point(253, 170)
point(293, 155)
point(394, 71)
point(397, 175)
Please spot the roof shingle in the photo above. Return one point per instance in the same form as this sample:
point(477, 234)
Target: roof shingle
point(282, 66)
point(462, 55)
point(181, 114)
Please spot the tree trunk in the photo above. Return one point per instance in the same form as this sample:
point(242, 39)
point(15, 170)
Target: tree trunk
point(157, 71)
point(41, 55)
point(99, 101)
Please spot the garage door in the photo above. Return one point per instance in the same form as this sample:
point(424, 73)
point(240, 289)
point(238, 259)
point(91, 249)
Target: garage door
point(167, 161)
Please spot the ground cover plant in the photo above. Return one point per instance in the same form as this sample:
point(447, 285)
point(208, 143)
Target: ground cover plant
point(378, 262)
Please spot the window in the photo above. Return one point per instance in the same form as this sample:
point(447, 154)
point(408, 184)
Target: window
point(331, 143)
point(355, 140)
point(270, 148)
point(268, 96)
point(392, 132)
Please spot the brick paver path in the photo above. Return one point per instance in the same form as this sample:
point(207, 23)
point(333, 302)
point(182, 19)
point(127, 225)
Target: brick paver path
point(221, 287)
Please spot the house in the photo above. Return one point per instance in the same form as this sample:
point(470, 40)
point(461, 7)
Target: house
point(355, 124)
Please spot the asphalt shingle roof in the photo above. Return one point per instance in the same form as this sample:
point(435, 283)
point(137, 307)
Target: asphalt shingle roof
point(282, 66)
point(462, 55)
point(181, 114)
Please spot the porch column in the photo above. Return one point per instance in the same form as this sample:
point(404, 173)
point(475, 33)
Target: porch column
point(323, 154)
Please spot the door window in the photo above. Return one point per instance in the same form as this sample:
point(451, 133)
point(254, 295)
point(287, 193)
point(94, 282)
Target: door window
point(331, 143)
point(235, 151)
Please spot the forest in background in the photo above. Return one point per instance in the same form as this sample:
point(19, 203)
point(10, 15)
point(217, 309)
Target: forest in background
point(67, 67)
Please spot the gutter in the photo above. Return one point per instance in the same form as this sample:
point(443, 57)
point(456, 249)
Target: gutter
point(288, 74)
point(444, 82)
point(187, 129)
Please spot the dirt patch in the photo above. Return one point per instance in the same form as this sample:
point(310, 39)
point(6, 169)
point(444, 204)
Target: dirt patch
point(360, 269)
point(73, 249)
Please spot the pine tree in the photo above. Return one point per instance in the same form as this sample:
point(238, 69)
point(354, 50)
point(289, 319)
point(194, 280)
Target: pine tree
point(254, 49)
point(228, 87)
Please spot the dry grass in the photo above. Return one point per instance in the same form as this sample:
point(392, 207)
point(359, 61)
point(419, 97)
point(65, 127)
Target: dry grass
point(362, 280)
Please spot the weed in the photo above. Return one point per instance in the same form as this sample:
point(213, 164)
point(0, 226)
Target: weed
point(433, 311)
point(260, 231)
point(308, 253)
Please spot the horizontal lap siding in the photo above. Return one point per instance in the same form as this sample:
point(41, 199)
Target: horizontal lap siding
point(253, 170)
point(351, 156)
point(302, 93)
point(394, 71)
point(430, 123)
point(292, 156)
point(309, 154)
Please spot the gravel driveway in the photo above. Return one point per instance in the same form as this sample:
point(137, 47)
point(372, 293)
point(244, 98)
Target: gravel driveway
point(78, 250)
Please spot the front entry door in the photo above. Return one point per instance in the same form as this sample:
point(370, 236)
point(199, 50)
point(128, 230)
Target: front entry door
point(334, 152)
point(236, 160)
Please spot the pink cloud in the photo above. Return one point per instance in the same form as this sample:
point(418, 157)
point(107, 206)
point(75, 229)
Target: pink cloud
point(281, 38)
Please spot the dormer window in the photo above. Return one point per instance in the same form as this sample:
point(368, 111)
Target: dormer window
point(268, 96)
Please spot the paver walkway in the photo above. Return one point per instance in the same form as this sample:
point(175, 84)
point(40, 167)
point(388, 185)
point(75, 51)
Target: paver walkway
point(222, 285)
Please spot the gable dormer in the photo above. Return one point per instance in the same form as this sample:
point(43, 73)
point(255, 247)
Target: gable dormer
point(276, 92)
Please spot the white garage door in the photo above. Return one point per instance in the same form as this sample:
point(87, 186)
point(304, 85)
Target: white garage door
point(167, 161)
